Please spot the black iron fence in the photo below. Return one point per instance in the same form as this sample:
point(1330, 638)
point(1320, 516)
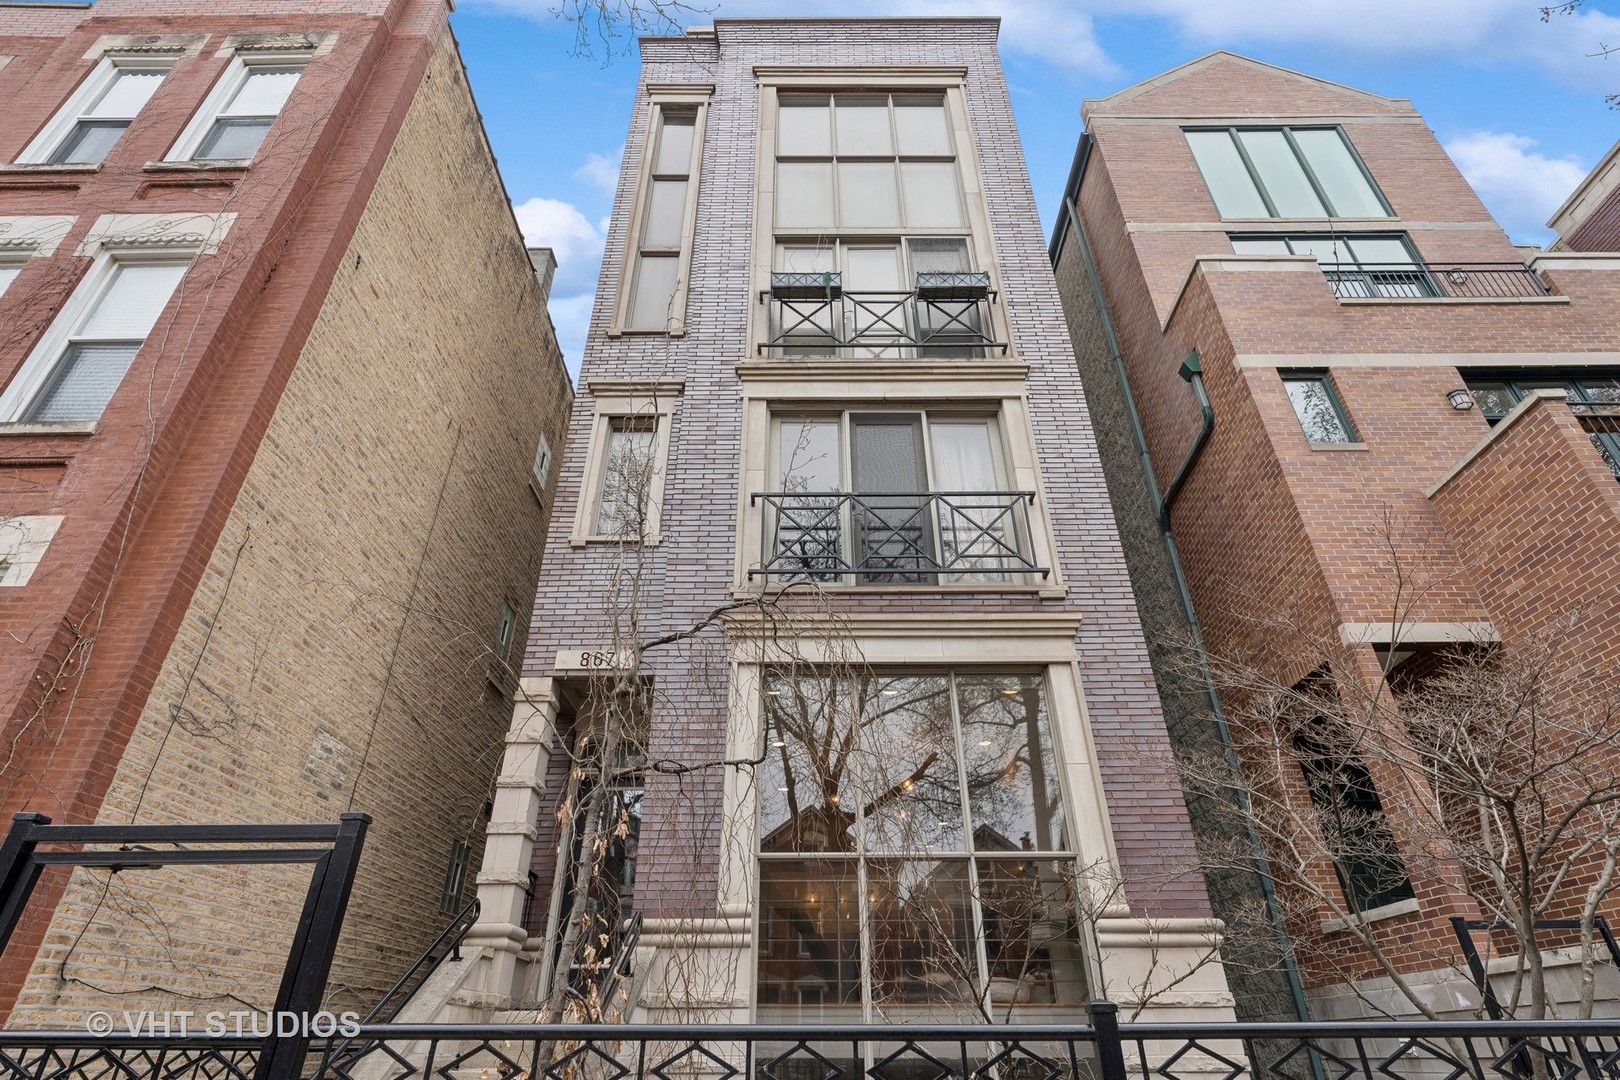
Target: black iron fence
point(880, 324)
point(1102, 1049)
point(901, 538)
point(1602, 424)
point(1419, 280)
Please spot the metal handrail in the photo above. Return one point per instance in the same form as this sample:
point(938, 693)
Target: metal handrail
point(1437, 280)
point(880, 320)
point(895, 536)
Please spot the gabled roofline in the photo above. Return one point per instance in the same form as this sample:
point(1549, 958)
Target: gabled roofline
point(1208, 59)
point(1598, 185)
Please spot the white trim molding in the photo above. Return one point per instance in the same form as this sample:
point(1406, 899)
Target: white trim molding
point(199, 233)
point(85, 97)
point(173, 45)
point(311, 43)
point(36, 235)
point(23, 541)
point(1417, 633)
point(618, 399)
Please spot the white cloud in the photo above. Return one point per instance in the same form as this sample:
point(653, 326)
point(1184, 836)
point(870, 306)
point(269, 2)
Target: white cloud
point(577, 245)
point(1520, 186)
point(600, 171)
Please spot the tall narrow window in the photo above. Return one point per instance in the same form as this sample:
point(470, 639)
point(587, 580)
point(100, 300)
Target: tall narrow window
point(1354, 827)
point(1284, 173)
point(627, 477)
point(455, 877)
point(661, 238)
point(1321, 416)
point(90, 122)
point(237, 115)
point(81, 361)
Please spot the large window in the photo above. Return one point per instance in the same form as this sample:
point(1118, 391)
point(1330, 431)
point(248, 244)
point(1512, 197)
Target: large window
point(1285, 173)
point(914, 850)
point(894, 498)
point(1369, 265)
point(623, 496)
point(235, 118)
point(83, 357)
point(90, 122)
point(662, 235)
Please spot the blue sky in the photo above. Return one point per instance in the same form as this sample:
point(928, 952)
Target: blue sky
point(1518, 102)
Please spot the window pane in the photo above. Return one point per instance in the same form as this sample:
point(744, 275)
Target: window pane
point(264, 91)
point(84, 382)
point(1225, 174)
point(911, 792)
point(666, 214)
point(867, 195)
point(231, 139)
point(1012, 775)
point(89, 141)
point(1606, 391)
point(921, 125)
point(650, 308)
point(133, 300)
point(931, 194)
point(130, 90)
point(1280, 172)
point(675, 144)
point(1329, 251)
point(1030, 939)
point(804, 128)
point(808, 769)
point(1313, 404)
point(863, 126)
point(625, 480)
point(1495, 399)
point(804, 194)
point(1257, 245)
point(807, 455)
point(1336, 170)
point(8, 274)
point(810, 939)
point(1380, 251)
point(944, 255)
point(924, 958)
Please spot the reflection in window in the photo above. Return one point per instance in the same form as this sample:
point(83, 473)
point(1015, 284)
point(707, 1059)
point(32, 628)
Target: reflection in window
point(1321, 416)
point(656, 271)
point(914, 858)
point(1284, 173)
point(621, 506)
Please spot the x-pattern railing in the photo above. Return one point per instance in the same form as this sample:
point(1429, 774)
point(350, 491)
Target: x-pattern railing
point(1100, 1049)
point(879, 322)
point(895, 537)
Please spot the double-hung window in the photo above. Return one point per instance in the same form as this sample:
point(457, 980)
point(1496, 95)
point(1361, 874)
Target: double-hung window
point(1355, 266)
point(90, 122)
point(1321, 416)
point(77, 366)
point(1300, 172)
point(914, 854)
point(238, 113)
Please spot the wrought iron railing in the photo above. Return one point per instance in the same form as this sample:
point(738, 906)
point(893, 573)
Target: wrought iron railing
point(1602, 424)
point(896, 539)
point(1101, 1049)
point(1419, 280)
point(927, 322)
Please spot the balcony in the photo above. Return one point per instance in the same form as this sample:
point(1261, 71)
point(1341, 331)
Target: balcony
point(944, 537)
point(1601, 422)
point(1443, 281)
point(945, 316)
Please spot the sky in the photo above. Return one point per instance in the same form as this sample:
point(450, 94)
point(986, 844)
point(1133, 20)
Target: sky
point(1517, 100)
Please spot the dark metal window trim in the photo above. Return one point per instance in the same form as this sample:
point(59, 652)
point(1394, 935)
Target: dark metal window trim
point(1515, 378)
point(1299, 155)
point(1421, 274)
point(1325, 379)
point(455, 877)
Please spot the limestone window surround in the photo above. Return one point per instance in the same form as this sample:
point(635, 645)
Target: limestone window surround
point(113, 94)
point(616, 402)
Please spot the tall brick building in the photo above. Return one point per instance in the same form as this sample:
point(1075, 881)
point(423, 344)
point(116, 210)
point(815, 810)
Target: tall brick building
point(1589, 220)
point(828, 365)
point(1310, 351)
point(271, 510)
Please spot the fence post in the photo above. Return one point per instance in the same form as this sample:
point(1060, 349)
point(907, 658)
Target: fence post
point(1110, 1048)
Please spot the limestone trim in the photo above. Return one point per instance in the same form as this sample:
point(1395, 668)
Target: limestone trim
point(23, 541)
point(201, 233)
point(847, 76)
point(1337, 447)
point(312, 43)
point(175, 45)
point(782, 375)
point(1242, 264)
point(1560, 260)
point(1182, 119)
point(1416, 633)
point(34, 235)
point(1456, 301)
point(1372, 915)
point(1434, 359)
point(1587, 196)
point(1295, 225)
point(1501, 428)
point(615, 400)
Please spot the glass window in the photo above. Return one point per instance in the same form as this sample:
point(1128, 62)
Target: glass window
point(675, 144)
point(863, 126)
point(1376, 265)
point(867, 195)
point(1354, 827)
point(905, 819)
point(8, 274)
point(922, 127)
point(1284, 172)
point(627, 475)
point(804, 194)
point(105, 105)
point(99, 350)
point(239, 127)
point(931, 194)
point(1321, 416)
point(804, 128)
point(653, 305)
point(666, 211)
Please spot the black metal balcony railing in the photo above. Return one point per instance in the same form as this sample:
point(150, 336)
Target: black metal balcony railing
point(933, 320)
point(905, 539)
point(1602, 424)
point(1419, 280)
point(1102, 1049)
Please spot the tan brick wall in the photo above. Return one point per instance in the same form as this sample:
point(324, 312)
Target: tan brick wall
point(336, 653)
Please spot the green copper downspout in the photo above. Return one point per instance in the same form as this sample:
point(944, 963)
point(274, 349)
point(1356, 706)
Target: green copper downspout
point(1193, 374)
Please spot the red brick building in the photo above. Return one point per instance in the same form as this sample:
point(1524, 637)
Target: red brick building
point(270, 503)
point(1589, 220)
point(1385, 371)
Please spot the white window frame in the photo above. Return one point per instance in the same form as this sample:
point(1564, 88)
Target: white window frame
point(12, 260)
point(100, 79)
point(653, 402)
point(41, 364)
point(225, 87)
point(677, 98)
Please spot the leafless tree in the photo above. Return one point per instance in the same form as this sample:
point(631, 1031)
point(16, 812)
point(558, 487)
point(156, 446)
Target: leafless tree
point(604, 29)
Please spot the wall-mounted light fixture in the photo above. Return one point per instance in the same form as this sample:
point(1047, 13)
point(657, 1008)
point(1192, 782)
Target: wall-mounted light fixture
point(1461, 400)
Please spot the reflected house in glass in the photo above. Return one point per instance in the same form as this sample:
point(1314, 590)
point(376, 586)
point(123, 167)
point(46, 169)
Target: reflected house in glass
point(826, 345)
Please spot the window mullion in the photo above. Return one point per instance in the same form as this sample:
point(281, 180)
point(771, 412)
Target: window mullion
point(1254, 174)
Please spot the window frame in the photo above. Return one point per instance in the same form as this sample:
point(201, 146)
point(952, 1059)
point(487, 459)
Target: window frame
point(1354, 269)
point(1324, 378)
point(615, 403)
point(232, 79)
point(1317, 187)
point(678, 99)
point(97, 82)
point(1343, 782)
point(20, 394)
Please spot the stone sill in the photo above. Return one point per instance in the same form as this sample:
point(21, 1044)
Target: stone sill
point(1045, 592)
point(47, 167)
point(1377, 914)
point(49, 427)
point(1430, 301)
point(220, 165)
point(1333, 446)
point(584, 541)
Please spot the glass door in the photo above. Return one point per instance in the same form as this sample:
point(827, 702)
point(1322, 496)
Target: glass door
point(894, 537)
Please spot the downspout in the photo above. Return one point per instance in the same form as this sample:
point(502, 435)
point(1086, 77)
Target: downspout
point(1191, 372)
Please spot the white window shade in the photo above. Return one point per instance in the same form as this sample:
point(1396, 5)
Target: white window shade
point(675, 145)
point(666, 215)
point(132, 301)
point(922, 128)
point(264, 91)
point(804, 129)
point(131, 89)
point(8, 274)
